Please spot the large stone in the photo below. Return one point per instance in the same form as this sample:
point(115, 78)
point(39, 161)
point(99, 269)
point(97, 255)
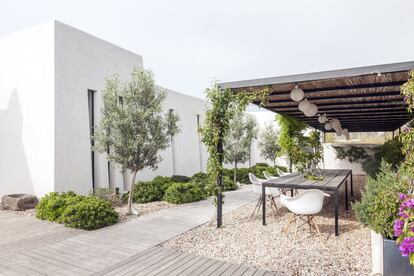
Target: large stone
point(19, 202)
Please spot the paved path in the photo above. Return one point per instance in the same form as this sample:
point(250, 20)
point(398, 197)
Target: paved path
point(33, 247)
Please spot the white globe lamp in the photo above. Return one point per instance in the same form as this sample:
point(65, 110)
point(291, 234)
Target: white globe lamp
point(303, 105)
point(322, 118)
point(297, 94)
point(328, 126)
point(311, 110)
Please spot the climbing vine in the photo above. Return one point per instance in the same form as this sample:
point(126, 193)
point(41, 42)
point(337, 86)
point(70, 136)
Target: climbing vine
point(352, 153)
point(224, 106)
point(407, 137)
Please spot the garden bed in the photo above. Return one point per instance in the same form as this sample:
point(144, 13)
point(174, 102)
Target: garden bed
point(245, 241)
point(144, 209)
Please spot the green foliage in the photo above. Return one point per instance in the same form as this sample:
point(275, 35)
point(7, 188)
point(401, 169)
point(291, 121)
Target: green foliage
point(351, 153)
point(85, 212)
point(251, 132)
point(238, 141)
point(390, 152)
point(89, 213)
point(269, 144)
point(179, 193)
point(407, 137)
point(133, 129)
point(52, 205)
point(224, 106)
point(108, 194)
point(148, 191)
point(258, 169)
point(180, 178)
point(378, 207)
point(292, 139)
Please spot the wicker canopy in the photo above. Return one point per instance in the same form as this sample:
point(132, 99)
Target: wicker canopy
point(364, 99)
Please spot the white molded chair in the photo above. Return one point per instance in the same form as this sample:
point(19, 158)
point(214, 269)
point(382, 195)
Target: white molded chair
point(269, 176)
point(306, 204)
point(281, 173)
point(271, 193)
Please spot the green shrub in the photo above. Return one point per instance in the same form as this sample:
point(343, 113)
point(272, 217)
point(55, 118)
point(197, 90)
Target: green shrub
point(163, 182)
point(148, 191)
point(180, 178)
point(52, 205)
point(378, 207)
point(85, 212)
point(228, 184)
point(179, 193)
point(390, 152)
point(89, 213)
point(108, 194)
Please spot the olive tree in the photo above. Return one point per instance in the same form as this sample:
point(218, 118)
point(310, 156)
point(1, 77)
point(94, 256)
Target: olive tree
point(251, 133)
point(269, 144)
point(237, 143)
point(133, 129)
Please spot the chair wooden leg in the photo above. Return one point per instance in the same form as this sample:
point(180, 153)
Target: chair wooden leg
point(258, 204)
point(316, 226)
point(309, 223)
point(296, 229)
point(286, 228)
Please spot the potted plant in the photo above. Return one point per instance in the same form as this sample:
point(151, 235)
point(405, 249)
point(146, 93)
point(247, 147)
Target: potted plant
point(379, 209)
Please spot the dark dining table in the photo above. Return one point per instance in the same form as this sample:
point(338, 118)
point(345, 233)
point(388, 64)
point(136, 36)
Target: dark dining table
point(333, 181)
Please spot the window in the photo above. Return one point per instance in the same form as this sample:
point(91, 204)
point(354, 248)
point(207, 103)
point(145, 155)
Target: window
point(91, 108)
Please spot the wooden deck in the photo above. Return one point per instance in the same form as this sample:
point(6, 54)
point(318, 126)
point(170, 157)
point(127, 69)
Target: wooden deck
point(167, 262)
point(29, 246)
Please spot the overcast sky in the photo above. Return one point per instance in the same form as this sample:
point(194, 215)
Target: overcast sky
point(189, 43)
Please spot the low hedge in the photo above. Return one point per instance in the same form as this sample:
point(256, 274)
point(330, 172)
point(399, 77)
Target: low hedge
point(73, 210)
point(178, 193)
point(258, 169)
point(89, 213)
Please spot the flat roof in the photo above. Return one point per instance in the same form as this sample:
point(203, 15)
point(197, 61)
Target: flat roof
point(364, 99)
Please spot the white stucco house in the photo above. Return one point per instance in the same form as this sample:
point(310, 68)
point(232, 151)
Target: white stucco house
point(51, 76)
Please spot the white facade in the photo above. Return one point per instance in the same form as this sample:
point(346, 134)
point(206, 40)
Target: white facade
point(45, 75)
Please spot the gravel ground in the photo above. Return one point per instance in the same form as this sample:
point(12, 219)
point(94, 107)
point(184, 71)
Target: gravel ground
point(143, 209)
point(245, 241)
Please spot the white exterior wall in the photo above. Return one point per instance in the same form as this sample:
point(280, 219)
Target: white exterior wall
point(45, 74)
point(27, 111)
point(82, 62)
point(330, 161)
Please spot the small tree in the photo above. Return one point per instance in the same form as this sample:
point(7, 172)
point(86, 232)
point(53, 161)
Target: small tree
point(133, 128)
point(269, 144)
point(236, 143)
point(225, 105)
point(251, 133)
point(291, 139)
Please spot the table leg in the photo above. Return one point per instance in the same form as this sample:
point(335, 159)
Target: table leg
point(291, 192)
point(352, 186)
point(336, 213)
point(263, 204)
point(346, 195)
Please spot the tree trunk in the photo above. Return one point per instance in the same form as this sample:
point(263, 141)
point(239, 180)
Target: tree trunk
point(250, 155)
point(131, 192)
point(290, 165)
point(274, 163)
point(235, 173)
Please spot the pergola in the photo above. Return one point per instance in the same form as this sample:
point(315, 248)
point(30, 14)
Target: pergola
point(364, 99)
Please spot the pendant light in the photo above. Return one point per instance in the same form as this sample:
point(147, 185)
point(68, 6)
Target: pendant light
point(297, 94)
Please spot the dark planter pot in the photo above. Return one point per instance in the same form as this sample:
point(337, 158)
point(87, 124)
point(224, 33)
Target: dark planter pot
point(394, 263)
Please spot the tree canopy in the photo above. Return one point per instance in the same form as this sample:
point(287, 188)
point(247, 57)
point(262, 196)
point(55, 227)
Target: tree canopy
point(269, 144)
point(133, 129)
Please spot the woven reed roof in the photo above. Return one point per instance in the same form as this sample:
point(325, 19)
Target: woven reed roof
point(364, 99)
